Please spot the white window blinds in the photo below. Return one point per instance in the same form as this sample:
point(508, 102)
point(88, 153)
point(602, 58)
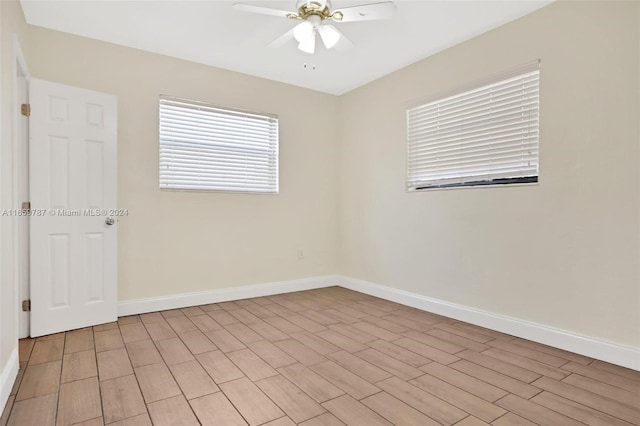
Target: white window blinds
point(207, 148)
point(484, 136)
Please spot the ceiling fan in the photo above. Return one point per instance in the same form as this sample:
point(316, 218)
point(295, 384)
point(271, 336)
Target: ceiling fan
point(314, 13)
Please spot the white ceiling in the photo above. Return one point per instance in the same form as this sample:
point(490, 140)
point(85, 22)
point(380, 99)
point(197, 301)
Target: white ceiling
point(213, 33)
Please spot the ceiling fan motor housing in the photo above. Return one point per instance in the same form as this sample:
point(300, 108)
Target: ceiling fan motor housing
point(320, 8)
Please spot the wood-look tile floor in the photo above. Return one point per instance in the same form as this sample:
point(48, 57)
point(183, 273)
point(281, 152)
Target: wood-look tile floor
point(320, 357)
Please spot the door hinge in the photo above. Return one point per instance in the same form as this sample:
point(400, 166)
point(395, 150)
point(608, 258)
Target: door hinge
point(25, 109)
point(26, 206)
point(26, 305)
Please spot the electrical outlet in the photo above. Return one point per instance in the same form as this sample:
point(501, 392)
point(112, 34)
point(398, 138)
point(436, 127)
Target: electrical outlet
point(300, 254)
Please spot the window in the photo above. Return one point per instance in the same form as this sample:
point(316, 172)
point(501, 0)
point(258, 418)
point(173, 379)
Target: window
point(484, 136)
point(207, 148)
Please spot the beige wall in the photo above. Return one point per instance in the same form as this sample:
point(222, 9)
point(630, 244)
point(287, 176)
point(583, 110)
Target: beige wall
point(563, 253)
point(177, 242)
point(12, 22)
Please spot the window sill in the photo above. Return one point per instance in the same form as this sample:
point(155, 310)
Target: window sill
point(520, 182)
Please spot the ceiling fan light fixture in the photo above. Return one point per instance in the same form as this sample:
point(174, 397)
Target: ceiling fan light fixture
point(329, 35)
point(303, 31)
point(308, 45)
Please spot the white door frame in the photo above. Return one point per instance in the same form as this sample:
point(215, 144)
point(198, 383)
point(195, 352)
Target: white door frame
point(20, 150)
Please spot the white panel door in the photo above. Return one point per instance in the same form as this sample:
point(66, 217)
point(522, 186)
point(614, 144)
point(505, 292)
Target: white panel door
point(73, 188)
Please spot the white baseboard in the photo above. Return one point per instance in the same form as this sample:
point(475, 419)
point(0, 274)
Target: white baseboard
point(174, 301)
point(626, 356)
point(8, 377)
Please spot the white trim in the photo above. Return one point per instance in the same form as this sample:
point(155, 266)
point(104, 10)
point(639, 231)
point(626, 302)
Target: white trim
point(8, 377)
point(615, 353)
point(18, 63)
point(174, 301)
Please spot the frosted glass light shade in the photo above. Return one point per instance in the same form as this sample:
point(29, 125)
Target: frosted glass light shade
point(303, 31)
point(330, 36)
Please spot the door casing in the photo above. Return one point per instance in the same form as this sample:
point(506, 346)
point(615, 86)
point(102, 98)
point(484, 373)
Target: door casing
point(20, 75)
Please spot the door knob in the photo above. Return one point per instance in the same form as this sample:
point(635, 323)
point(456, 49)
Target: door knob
point(109, 221)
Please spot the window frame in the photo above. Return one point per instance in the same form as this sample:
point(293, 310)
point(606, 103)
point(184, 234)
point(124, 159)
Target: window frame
point(224, 110)
point(533, 66)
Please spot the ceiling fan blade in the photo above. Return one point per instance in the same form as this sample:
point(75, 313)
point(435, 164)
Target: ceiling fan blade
point(282, 40)
point(367, 12)
point(344, 44)
point(262, 10)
